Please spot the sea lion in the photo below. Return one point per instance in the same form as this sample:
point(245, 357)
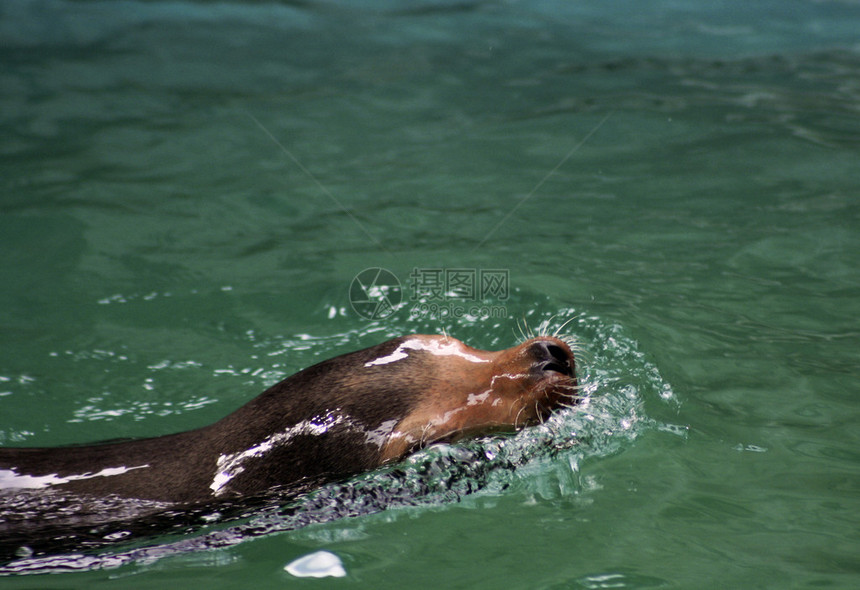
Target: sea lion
point(340, 417)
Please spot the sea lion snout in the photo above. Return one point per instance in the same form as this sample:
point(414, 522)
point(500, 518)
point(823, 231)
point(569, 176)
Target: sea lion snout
point(544, 357)
point(478, 392)
point(553, 356)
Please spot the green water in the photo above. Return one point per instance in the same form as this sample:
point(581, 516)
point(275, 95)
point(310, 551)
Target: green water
point(188, 190)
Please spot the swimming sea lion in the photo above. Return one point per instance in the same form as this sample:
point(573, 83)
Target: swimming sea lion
point(335, 419)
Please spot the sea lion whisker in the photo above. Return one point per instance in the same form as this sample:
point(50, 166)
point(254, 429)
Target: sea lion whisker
point(425, 436)
point(562, 326)
point(517, 417)
point(571, 387)
point(571, 392)
point(540, 412)
point(526, 332)
point(520, 325)
point(543, 327)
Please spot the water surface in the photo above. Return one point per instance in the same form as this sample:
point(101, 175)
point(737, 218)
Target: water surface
point(189, 188)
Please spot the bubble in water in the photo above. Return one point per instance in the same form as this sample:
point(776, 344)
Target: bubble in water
point(322, 564)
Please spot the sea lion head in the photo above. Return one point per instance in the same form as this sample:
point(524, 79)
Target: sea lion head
point(467, 391)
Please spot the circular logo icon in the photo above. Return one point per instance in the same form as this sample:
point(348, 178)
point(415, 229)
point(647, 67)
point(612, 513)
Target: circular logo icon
point(375, 293)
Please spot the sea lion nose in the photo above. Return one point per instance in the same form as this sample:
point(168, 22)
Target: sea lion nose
point(552, 357)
